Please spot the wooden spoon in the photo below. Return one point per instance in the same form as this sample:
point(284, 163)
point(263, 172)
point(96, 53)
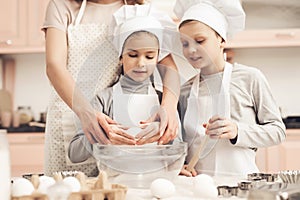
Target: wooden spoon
point(197, 154)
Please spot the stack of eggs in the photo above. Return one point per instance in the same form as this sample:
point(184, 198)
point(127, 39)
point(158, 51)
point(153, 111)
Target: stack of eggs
point(42, 185)
point(67, 186)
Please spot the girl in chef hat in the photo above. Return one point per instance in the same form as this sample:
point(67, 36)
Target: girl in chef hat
point(227, 108)
point(138, 38)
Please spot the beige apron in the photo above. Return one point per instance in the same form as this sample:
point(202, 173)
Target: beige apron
point(93, 63)
point(130, 109)
point(219, 156)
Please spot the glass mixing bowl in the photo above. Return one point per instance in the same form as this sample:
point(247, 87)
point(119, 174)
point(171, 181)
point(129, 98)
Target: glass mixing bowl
point(138, 166)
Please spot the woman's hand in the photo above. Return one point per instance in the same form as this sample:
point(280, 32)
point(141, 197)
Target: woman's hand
point(150, 133)
point(220, 127)
point(110, 133)
point(185, 172)
point(91, 128)
point(168, 126)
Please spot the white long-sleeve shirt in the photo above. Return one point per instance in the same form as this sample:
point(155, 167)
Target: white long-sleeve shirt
point(253, 107)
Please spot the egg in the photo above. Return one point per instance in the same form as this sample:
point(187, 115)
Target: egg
point(21, 187)
point(73, 183)
point(134, 131)
point(203, 179)
point(204, 186)
point(162, 188)
point(206, 191)
point(45, 183)
point(59, 190)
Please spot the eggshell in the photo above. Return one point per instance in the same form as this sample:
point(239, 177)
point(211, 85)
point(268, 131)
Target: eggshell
point(134, 131)
point(21, 187)
point(45, 183)
point(162, 188)
point(73, 183)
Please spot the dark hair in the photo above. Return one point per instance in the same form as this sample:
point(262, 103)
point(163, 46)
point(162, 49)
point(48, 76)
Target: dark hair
point(129, 2)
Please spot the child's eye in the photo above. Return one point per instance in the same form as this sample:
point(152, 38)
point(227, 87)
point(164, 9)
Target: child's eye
point(132, 55)
point(149, 57)
point(199, 41)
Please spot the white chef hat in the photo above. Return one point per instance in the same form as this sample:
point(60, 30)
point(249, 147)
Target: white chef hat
point(133, 18)
point(226, 17)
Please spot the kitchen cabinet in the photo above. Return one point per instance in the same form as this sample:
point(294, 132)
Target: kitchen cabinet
point(20, 26)
point(269, 24)
point(36, 17)
point(284, 156)
point(26, 153)
point(265, 38)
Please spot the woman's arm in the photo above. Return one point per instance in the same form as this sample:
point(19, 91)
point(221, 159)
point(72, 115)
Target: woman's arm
point(64, 84)
point(171, 89)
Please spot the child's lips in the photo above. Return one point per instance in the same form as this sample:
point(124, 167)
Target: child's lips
point(140, 72)
point(195, 58)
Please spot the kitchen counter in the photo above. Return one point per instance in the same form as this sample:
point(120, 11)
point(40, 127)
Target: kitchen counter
point(184, 191)
point(24, 129)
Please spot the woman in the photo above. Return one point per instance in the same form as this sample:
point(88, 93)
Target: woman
point(80, 60)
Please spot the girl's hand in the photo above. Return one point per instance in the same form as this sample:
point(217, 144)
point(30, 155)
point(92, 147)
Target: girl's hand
point(150, 133)
point(117, 135)
point(220, 127)
point(185, 172)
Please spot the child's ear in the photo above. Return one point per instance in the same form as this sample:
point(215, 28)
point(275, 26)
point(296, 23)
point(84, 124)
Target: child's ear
point(222, 43)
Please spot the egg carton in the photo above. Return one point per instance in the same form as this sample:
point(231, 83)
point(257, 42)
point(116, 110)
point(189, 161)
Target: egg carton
point(91, 189)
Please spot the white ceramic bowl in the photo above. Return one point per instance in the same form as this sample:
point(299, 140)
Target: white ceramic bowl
point(138, 166)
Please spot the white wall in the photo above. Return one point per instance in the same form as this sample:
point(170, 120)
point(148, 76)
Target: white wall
point(281, 66)
point(32, 87)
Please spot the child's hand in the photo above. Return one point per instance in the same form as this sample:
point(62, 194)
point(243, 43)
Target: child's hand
point(117, 135)
point(220, 127)
point(150, 133)
point(185, 172)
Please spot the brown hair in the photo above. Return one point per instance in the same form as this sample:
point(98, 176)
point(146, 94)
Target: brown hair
point(192, 20)
point(129, 2)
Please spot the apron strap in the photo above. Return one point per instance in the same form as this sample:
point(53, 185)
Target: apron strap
point(195, 86)
point(226, 78)
point(225, 81)
point(117, 88)
point(81, 12)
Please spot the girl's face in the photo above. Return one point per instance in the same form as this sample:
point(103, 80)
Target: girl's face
point(140, 56)
point(202, 47)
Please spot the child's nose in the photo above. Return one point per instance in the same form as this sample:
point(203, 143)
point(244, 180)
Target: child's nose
point(192, 49)
point(141, 62)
